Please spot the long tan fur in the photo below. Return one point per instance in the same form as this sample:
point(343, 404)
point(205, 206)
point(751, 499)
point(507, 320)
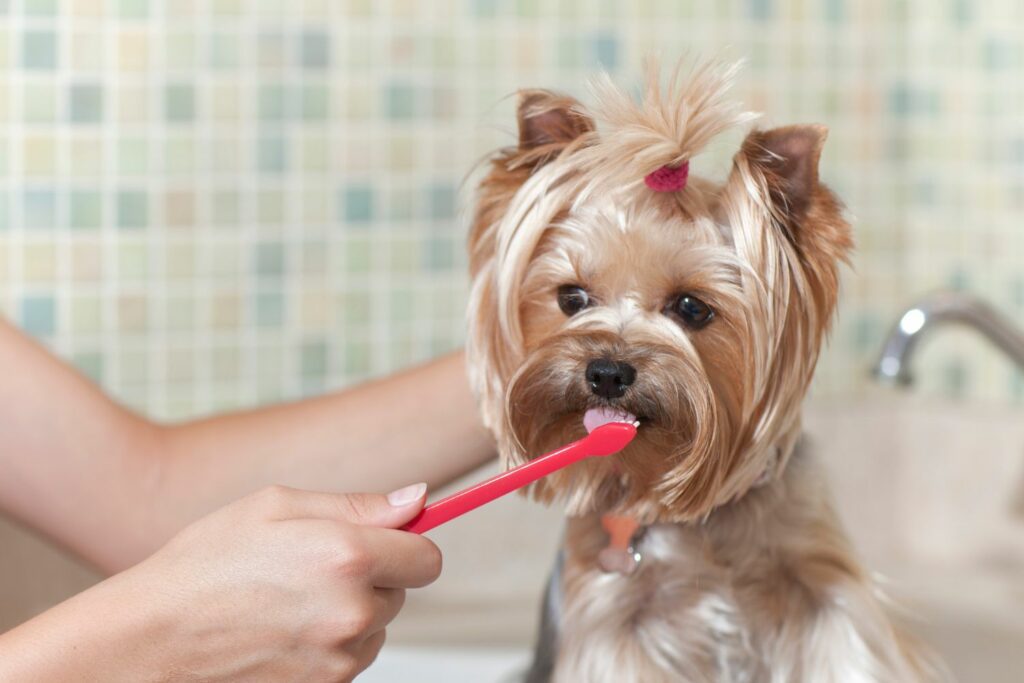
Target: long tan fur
point(741, 580)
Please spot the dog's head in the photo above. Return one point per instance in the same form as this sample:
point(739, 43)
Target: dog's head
point(700, 311)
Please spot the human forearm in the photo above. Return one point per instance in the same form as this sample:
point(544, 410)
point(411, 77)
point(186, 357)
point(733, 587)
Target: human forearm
point(418, 425)
point(111, 632)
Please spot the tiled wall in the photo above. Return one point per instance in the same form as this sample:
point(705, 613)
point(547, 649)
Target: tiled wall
point(214, 203)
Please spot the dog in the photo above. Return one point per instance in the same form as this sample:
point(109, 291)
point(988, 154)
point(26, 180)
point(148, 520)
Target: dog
point(608, 283)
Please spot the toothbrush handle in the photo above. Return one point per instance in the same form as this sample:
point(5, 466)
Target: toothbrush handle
point(605, 440)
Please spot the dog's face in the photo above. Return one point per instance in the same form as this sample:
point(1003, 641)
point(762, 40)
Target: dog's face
point(700, 312)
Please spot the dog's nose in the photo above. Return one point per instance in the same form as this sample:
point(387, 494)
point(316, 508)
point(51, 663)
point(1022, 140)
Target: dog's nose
point(608, 378)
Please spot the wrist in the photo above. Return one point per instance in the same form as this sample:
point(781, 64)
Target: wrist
point(110, 632)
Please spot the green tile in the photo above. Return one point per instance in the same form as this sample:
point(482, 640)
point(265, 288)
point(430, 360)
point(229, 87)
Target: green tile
point(85, 210)
point(86, 103)
point(358, 359)
point(315, 103)
point(132, 156)
point(400, 102)
point(439, 254)
point(358, 256)
point(226, 208)
point(90, 364)
point(316, 49)
point(403, 305)
point(272, 154)
point(442, 202)
point(132, 209)
point(181, 313)
point(224, 50)
point(133, 9)
point(40, 8)
point(270, 261)
point(39, 315)
point(355, 307)
point(39, 209)
point(269, 309)
point(180, 103)
point(314, 359)
point(270, 207)
point(39, 103)
point(404, 256)
point(39, 50)
point(133, 262)
point(271, 103)
point(86, 314)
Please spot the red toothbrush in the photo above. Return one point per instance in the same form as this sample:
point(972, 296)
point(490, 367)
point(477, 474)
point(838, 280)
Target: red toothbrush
point(606, 439)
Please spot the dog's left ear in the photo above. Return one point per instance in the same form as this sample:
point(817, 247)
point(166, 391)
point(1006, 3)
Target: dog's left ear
point(786, 159)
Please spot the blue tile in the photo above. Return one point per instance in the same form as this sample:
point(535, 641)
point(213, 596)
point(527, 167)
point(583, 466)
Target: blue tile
point(442, 202)
point(760, 10)
point(834, 11)
point(606, 51)
point(132, 209)
point(5, 211)
point(357, 203)
point(316, 50)
point(439, 254)
point(40, 209)
point(485, 9)
point(39, 50)
point(272, 154)
point(86, 103)
point(39, 315)
point(400, 103)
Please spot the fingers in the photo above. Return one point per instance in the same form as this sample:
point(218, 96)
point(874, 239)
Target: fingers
point(366, 509)
point(400, 559)
point(370, 649)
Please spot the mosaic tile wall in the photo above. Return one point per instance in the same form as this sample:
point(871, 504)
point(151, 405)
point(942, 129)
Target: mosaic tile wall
point(215, 203)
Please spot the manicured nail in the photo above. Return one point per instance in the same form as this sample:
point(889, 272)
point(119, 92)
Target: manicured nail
point(406, 495)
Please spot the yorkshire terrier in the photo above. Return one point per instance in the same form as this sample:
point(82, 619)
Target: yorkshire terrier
point(608, 283)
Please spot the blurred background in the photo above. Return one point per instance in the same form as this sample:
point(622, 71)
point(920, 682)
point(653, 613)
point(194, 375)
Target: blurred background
point(211, 204)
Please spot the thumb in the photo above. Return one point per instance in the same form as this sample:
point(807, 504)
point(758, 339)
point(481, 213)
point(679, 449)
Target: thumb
point(388, 511)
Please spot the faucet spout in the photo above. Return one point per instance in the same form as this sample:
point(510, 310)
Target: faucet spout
point(938, 310)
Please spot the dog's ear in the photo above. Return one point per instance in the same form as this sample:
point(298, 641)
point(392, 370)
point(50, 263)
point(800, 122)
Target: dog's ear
point(788, 160)
point(784, 163)
point(548, 122)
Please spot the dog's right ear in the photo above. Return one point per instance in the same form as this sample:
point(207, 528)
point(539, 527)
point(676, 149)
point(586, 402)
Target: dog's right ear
point(548, 121)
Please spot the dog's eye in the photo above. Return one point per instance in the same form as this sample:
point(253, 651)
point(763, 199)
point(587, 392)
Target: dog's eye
point(572, 299)
point(692, 311)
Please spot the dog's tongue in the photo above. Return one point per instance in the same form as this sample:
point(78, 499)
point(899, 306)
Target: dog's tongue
point(595, 417)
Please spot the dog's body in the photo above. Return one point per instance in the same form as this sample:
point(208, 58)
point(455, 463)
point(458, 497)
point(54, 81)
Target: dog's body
point(699, 308)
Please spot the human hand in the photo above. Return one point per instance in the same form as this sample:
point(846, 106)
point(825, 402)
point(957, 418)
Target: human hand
point(283, 585)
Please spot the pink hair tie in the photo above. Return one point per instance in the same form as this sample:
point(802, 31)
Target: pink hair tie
point(668, 178)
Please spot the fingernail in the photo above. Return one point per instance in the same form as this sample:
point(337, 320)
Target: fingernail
point(406, 495)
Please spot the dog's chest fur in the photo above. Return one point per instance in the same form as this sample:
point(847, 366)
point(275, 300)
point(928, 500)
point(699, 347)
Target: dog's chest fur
point(764, 590)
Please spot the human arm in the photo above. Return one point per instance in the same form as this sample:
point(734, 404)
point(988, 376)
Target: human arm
point(281, 585)
point(113, 487)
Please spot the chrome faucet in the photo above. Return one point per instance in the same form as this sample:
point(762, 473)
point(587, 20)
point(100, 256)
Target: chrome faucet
point(937, 310)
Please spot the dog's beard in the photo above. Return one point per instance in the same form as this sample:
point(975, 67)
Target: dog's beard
point(673, 467)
